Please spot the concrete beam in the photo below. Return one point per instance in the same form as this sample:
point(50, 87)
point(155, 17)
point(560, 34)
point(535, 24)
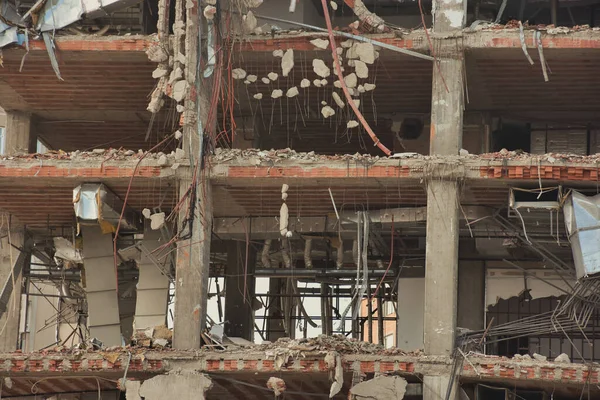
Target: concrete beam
point(268, 227)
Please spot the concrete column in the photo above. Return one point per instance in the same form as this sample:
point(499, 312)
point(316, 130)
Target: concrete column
point(239, 314)
point(18, 138)
point(441, 265)
point(152, 286)
point(471, 295)
point(193, 254)
point(101, 286)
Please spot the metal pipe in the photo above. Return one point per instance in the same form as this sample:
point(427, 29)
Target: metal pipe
point(314, 273)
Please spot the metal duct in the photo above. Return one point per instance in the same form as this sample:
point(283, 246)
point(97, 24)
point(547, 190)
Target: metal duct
point(94, 204)
point(582, 221)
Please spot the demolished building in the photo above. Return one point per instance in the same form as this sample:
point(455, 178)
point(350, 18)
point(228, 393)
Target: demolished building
point(239, 199)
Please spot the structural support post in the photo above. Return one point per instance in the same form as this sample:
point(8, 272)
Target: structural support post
point(18, 139)
point(193, 253)
point(239, 290)
point(441, 256)
point(275, 322)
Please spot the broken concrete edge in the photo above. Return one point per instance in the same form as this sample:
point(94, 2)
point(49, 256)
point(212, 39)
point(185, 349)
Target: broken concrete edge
point(484, 367)
point(485, 36)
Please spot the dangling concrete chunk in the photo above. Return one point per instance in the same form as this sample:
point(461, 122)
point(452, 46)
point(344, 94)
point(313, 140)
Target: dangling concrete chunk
point(320, 68)
point(277, 93)
point(356, 102)
point(273, 76)
point(249, 22)
point(209, 12)
point(333, 5)
point(361, 69)
point(292, 92)
point(287, 62)
point(251, 78)
point(327, 112)
point(361, 89)
point(304, 83)
point(347, 43)
point(258, 96)
point(338, 100)
point(278, 53)
point(380, 388)
point(238, 73)
point(320, 43)
point(253, 3)
point(324, 82)
point(370, 86)
point(337, 84)
point(317, 83)
point(366, 52)
point(266, 81)
point(350, 80)
point(351, 124)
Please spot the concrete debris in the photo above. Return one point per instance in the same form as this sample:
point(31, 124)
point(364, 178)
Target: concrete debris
point(463, 152)
point(176, 74)
point(351, 52)
point(65, 252)
point(266, 81)
point(337, 84)
point(283, 219)
point(367, 17)
point(324, 82)
point(304, 83)
point(317, 83)
point(284, 188)
point(327, 112)
point(8, 382)
point(180, 108)
point(320, 68)
point(162, 160)
point(338, 100)
point(273, 76)
point(175, 166)
point(251, 78)
point(238, 73)
point(351, 63)
point(157, 220)
point(179, 90)
point(380, 388)
point(339, 51)
point(209, 12)
point(132, 390)
point(333, 5)
point(562, 358)
point(338, 377)
point(323, 103)
point(277, 385)
point(157, 54)
point(258, 96)
point(361, 89)
point(277, 93)
point(351, 80)
point(365, 52)
point(369, 86)
point(292, 92)
point(183, 386)
point(160, 72)
point(361, 69)
point(287, 62)
point(179, 154)
point(351, 124)
point(320, 43)
point(539, 357)
point(253, 3)
point(249, 22)
point(278, 53)
point(346, 44)
point(178, 135)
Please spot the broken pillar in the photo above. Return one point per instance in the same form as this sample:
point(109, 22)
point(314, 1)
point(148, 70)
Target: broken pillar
point(239, 290)
point(443, 194)
point(18, 137)
point(101, 286)
point(153, 284)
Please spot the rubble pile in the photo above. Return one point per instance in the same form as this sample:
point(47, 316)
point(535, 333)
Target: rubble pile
point(102, 154)
point(260, 156)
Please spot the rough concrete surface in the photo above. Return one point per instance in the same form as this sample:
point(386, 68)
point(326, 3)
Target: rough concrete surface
point(380, 388)
point(184, 386)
